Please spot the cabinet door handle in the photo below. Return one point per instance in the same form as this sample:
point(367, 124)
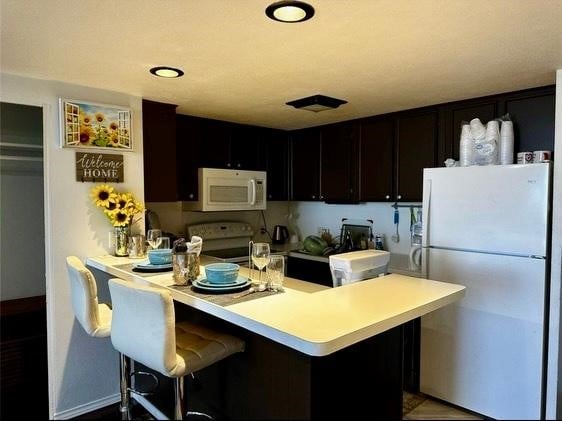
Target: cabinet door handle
point(269, 196)
point(399, 197)
point(387, 197)
point(321, 197)
point(313, 196)
point(191, 196)
point(238, 165)
point(228, 164)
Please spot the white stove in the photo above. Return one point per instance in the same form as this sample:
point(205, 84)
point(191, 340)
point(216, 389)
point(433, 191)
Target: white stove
point(227, 240)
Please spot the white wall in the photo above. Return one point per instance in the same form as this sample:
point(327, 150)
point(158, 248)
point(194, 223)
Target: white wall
point(83, 372)
point(306, 218)
point(554, 377)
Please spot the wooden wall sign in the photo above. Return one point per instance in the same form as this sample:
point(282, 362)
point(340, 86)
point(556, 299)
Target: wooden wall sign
point(98, 167)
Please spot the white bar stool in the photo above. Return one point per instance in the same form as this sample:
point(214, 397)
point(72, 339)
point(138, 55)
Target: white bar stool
point(144, 329)
point(94, 317)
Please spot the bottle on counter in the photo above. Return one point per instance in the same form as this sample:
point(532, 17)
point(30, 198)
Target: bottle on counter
point(379, 243)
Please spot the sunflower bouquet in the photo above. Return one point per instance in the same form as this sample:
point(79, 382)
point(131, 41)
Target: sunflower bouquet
point(120, 208)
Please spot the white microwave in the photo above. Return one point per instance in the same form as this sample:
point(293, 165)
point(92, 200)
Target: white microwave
point(229, 190)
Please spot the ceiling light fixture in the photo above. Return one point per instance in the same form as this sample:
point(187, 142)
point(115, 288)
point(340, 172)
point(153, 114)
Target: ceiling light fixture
point(165, 71)
point(317, 103)
point(289, 11)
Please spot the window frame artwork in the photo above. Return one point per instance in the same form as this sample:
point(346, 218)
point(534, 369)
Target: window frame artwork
point(91, 125)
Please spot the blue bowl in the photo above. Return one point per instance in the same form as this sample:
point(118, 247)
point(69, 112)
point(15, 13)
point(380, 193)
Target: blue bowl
point(160, 256)
point(221, 273)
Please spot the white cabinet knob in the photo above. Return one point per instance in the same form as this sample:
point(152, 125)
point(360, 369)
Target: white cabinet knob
point(313, 196)
point(399, 197)
point(387, 196)
point(238, 165)
point(321, 197)
point(228, 164)
point(191, 196)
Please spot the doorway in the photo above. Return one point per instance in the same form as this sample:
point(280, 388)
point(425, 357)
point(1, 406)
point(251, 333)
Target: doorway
point(23, 320)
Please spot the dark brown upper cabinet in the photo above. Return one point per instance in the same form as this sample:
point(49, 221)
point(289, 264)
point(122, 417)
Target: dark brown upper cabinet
point(190, 147)
point(416, 149)
point(533, 118)
point(339, 167)
point(305, 164)
point(246, 148)
point(159, 152)
point(276, 158)
point(377, 160)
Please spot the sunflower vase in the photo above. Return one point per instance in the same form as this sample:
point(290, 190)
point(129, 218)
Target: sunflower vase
point(121, 240)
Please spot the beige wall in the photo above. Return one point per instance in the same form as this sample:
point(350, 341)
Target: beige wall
point(83, 371)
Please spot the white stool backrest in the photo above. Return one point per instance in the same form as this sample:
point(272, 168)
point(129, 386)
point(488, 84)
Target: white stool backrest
point(143, 325)
point(84, 295)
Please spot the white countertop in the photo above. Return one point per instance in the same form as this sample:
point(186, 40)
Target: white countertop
point(313, 319)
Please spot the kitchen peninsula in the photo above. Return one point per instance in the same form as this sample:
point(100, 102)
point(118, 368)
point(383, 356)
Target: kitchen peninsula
point(312, 351)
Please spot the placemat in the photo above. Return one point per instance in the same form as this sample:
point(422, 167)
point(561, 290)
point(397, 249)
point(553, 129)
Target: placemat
point(225, 299)
point(220, 299)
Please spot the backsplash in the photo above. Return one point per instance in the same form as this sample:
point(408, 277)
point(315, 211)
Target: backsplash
point(302, 218)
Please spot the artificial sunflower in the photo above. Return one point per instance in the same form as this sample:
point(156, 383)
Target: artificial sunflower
point(123, 200)
point(99, 117)
point(102, 195)
point(85, 135)
point(119, 218)
point(113, 125)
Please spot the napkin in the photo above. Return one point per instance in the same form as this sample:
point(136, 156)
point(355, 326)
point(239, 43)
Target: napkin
point(195, 245)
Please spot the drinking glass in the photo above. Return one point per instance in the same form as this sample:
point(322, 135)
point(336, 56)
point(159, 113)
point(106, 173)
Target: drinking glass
point(275, 272)
point(154, 238)
point(165, 243)
point(260, 256)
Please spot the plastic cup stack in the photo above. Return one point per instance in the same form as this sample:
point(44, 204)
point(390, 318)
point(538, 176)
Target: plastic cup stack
point(477, 129)
point(506, 143)
point(466, 145)
point(493, 138)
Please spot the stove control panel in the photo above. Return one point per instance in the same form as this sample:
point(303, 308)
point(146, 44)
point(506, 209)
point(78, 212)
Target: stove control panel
point(221, 230)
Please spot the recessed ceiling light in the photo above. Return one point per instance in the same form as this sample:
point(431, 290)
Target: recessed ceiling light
point(289, 11)
point(317, 103)
point(165, 71)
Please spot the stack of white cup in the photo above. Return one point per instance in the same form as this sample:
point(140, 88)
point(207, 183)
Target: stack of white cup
point(493, 138)
point(466, 145)
point(506, 143)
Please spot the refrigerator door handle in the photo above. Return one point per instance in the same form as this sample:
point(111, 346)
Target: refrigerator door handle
point(425, 212)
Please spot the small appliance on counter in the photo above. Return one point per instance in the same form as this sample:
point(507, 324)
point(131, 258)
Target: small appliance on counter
point(280, 234)
point(356, 234)
point(357, 266)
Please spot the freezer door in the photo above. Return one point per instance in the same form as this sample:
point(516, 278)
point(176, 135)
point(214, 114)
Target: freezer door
point(498, 208)
point(484, 352)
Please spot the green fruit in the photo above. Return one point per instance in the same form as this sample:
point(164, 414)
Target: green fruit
point(314, 245)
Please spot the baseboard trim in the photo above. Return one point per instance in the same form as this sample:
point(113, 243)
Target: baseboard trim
point(87, 407)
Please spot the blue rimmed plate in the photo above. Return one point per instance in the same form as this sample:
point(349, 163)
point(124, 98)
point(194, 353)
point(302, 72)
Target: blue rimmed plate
point(205, 283)
point(198, 286)
point(146, 266)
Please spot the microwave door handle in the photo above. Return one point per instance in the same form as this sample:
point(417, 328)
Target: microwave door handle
point(253, 184)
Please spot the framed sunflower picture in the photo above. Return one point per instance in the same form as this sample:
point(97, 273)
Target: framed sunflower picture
point(95, 126)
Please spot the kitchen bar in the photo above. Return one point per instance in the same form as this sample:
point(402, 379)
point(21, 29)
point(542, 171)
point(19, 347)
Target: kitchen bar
point(347, 326)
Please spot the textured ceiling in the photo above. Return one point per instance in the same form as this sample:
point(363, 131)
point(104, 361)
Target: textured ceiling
point(379, 55)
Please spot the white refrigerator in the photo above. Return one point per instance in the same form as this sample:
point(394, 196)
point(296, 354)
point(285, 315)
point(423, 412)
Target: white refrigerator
point(487, 228)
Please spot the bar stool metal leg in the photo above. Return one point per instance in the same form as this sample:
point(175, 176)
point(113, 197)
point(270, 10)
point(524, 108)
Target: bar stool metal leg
point(124, 367)
point(179, 404)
